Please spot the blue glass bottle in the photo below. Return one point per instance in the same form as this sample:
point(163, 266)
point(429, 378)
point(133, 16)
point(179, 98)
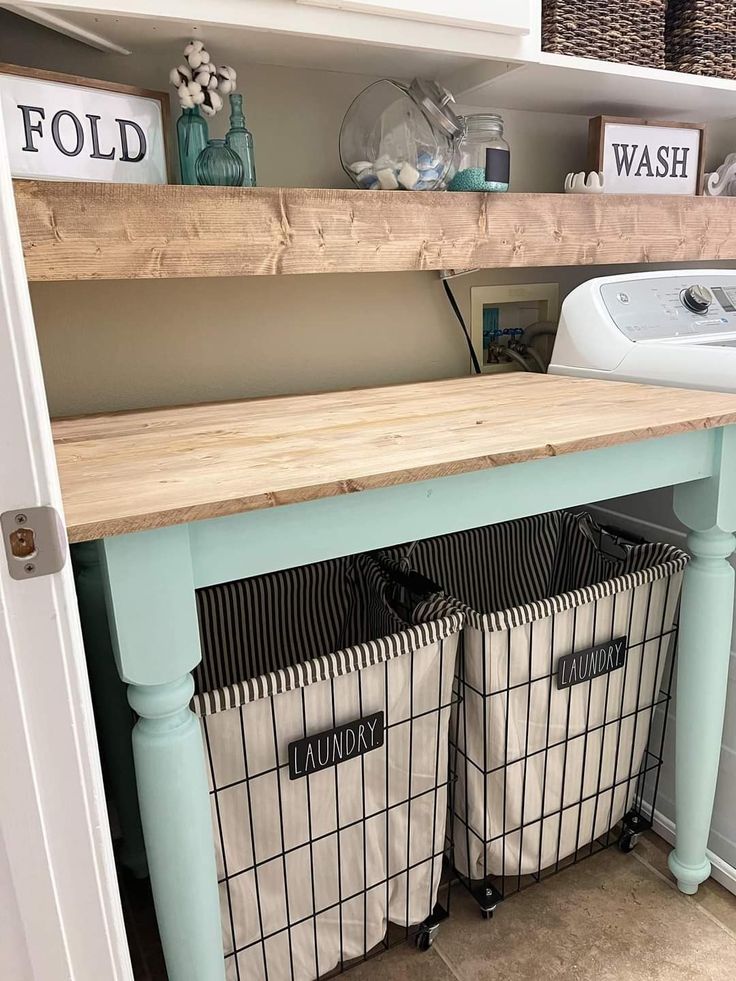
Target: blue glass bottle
point(192, 136)
point(219, 166)
point(240, 140)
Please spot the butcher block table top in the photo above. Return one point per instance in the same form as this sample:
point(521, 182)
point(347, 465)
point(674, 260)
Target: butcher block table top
point(132, 471)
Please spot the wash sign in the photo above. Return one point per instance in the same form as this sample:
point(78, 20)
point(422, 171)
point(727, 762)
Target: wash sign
point(639, 158)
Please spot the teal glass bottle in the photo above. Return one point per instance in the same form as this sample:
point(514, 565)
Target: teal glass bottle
point(192, 136)
point(219, 166)
point(240, 140)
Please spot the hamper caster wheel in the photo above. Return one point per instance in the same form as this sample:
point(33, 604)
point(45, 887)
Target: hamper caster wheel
point(628, 841)
point(425, 938)
point(487, 914)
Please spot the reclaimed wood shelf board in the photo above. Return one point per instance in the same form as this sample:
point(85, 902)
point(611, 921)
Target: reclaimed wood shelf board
point(133, 471)
point(81, 231)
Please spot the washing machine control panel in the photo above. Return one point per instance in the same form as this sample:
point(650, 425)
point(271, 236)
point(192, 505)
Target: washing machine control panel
point(673, 308)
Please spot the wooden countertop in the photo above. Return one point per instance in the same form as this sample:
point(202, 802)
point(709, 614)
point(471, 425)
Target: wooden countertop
point(127, 472)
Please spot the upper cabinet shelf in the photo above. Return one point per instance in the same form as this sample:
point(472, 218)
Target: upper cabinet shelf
point(486, 51)
point(582, 86)
point(82, 231)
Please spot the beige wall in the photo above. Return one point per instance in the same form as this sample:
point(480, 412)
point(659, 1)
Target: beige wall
point(121, 345)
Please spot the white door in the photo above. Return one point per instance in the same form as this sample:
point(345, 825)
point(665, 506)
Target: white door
point(59, 905)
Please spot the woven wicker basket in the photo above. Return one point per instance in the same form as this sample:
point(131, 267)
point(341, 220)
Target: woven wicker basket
point(629, 31)
point(701, 37)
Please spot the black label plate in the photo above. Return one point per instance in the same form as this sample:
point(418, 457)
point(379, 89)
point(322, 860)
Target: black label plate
point(333, 746)
point(580, 666)
point(498, 165)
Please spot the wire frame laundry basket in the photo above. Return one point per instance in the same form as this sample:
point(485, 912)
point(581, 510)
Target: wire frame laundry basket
point(562, 670)
point(330, 776)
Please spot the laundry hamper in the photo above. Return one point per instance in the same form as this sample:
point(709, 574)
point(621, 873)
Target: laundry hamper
point(563, 661)
point(701, 37)
point(325, 717)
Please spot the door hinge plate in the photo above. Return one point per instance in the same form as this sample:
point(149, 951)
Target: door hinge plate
point(35, 542)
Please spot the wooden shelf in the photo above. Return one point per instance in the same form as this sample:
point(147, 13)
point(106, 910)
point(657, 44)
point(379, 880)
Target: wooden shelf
point(80, 231)
point(128, 472)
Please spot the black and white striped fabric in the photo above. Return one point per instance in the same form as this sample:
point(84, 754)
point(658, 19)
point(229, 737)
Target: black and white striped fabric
point(312, 871)
point(276, 632)
point(545, 771)
point(512, 573)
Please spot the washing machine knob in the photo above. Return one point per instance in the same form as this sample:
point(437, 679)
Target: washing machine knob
point(697, 298)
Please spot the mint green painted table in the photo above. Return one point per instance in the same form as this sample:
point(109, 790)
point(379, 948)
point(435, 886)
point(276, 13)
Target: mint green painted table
point(181, 498)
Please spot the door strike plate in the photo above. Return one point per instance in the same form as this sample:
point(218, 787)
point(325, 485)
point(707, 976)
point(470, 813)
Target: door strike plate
point(35, 542)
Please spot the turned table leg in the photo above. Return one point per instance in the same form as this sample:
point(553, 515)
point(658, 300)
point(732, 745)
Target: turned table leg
point(708, 507)
point(113, 717)
point(151, 607)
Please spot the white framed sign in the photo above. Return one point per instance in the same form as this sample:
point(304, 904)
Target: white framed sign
point(60, 127)
point(640, 156)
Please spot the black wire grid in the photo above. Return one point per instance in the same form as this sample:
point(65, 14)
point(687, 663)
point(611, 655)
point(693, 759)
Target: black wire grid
point(382, 865)
point(631, 786)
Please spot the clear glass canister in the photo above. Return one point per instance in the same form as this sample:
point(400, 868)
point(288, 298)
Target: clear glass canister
point(483, 156)
point(400, 137)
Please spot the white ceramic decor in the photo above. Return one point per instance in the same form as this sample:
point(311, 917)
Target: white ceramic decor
point(583, 183)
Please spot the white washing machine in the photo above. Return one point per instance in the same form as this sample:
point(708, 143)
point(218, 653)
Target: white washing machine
point(674, 328)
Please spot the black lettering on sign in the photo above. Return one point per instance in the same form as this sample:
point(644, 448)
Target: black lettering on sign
point(624, 158)
point(56, 133)
point(96, 152)
point(125, 154)
point(335, 746)
point(29, 128)
point(580, 666)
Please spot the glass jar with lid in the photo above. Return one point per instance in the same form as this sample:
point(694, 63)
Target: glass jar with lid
point(400, 137)
point(483, 156)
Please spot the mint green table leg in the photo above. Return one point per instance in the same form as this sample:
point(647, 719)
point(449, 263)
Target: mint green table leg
point(708, 507)
point(113, 717)
point(151, 607)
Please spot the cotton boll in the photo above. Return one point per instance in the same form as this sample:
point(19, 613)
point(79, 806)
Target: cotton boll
point(212, 84)
point(193, 46)
point(208, 110)
point(205, 56)
point(198, 98)
point(186, 101)
point(202, 77)
point(194, 88)
point(228, 79)
point(180, 75)
point(194, 59)
point(215, 100)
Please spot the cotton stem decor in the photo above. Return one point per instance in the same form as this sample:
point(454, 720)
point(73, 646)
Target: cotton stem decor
point(199, 82)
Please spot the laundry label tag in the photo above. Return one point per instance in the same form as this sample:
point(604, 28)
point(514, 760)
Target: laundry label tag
point(333, 746)
point(580, 666)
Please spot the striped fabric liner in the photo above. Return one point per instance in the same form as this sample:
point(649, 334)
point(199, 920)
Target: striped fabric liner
point(327, 666)
point(531, 568)
point(273, 633)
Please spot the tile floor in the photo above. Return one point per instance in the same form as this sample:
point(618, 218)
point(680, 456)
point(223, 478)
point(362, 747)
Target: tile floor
point(613, 917)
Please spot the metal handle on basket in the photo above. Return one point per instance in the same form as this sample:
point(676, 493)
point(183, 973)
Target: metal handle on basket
point(614, 544)
point(415, 582)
